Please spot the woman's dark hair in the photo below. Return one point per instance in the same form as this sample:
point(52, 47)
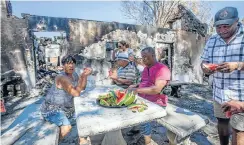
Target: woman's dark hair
point(67, 59)
point(122, 42)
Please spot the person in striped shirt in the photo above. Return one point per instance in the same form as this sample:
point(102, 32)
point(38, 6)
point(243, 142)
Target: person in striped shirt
point(126, 73)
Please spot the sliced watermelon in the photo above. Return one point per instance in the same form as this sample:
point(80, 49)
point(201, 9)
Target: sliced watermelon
point(137, 106)
point(211, 66)
point(120, 100)
point(103, 102)
point(141, 109)
point(129, 99)
point(104, 96)
point(119, 93)
point(112, 93)
point(228, 114)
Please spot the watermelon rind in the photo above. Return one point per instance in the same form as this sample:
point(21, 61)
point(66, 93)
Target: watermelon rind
point(120, 101)
point(105, 96)
point(130, 99)
point(137, 106)
point(103, 102)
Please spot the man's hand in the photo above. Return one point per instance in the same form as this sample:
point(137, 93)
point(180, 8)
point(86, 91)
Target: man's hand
point(132, 86)
point(87, 71)
point(113, 77)
point(233, 106)
point(206, 69)
point(134, 90)
point(227, 67)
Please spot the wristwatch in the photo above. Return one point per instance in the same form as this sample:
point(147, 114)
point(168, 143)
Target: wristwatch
point(239, 66)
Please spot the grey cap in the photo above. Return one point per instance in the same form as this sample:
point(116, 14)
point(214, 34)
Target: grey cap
point(227, 15)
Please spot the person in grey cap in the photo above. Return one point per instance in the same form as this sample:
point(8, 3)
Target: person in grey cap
point(226, 50)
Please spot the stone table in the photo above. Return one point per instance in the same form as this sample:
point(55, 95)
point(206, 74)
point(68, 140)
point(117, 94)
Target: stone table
point(92, 119)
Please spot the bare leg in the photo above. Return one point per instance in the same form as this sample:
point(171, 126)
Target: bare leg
point(83, 141)
point(224, 131)
point(147, 139)
point(64, 130)
point(237, 137)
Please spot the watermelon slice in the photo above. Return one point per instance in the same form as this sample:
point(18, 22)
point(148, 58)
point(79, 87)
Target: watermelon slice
point(211, 66)
point(228, 114)
point(104, 96)
point(119, 93)
point(141, 109)
point(103, 102)
point(120, 100)
point(130, 99)
point(137, 106)
point(112, 93)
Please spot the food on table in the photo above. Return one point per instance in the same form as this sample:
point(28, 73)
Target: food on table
point(138, 107)
point(117, 98)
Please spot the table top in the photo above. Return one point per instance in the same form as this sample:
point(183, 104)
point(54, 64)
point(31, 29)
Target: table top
point(93, 119)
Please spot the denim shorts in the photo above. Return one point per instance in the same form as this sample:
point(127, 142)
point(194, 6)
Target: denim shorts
point(59, 118)
point(146, 128)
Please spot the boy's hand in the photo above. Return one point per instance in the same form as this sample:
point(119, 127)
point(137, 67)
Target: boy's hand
point(87, 71)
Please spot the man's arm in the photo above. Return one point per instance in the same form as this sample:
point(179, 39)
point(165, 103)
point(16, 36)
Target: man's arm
point(153, 90)
point(69, 88)
point(242, 65)
point(123, 81)
point(230, 66)
point(205, 60)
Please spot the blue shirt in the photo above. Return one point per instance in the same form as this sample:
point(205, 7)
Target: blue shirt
point(226, 86)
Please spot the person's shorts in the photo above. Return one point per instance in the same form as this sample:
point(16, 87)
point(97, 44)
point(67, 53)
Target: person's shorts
point(146, 129)
point(218, 112)
point(236, 120)
point(59, 118)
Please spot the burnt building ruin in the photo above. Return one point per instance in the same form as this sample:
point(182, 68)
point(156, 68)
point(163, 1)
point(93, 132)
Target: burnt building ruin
point(91, 42)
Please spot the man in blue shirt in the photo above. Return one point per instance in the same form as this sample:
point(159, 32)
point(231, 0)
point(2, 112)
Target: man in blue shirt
point(226, 49)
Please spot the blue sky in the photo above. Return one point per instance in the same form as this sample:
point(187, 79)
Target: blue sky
point(94, 10)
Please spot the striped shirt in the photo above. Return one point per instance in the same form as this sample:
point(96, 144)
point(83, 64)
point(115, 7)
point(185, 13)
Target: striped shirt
point(129, 50)
point(128, 72)
point(226, 86)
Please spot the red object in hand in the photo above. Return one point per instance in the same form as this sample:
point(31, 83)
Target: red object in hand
point(228, 114)
point(110, 72)
point(2, 106)
point(211, 66)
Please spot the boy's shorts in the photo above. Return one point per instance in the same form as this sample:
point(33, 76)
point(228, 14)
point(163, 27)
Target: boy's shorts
point(59, 118)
